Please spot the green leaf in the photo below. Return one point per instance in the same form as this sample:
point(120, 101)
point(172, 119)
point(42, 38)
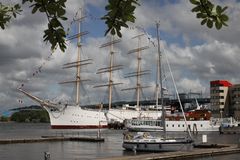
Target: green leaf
point(224, 17)
point(204, 21)
point(197, 9)
point(219, 9)
point(209, 23)
point(61, 12)
point(14, 15)
point(196, 2)
point(64, 18)
point(51, 8)
point(223, 23)
point(34, 10)
point(218, 25)
point(199, 15)
point(119, 33)
point(224, 8)
point(113, 31)
point(131, 18)
point(2, 25)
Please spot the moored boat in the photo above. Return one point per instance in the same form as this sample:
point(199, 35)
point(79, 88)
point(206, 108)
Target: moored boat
point(143, 141)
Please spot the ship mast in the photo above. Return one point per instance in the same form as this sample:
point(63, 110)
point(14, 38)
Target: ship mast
point(160, 80)
point(110, 69)
point(139, 72)
point(77, 64)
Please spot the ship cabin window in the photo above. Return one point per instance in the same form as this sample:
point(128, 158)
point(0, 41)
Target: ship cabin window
point(183, 125)
point(173, 125)
point(201, 125)
point(179, 125)
point(167, 125)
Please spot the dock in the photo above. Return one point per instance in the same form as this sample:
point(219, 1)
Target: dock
point(50, 139)
point(229, 130)
point(179, 155)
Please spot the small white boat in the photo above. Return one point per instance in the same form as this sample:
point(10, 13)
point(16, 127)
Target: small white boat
point(143, 124)
point(143, 141)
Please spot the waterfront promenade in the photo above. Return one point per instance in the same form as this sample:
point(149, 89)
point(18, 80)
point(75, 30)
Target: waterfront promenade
point(195, 153)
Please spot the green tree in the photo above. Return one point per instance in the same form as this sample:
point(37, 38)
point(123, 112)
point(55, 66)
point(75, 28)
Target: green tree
point(4, 119)
point(119, 13)
point(30, 116)
point(54, 11)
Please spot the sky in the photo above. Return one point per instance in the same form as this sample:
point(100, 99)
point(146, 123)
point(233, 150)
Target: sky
point(197, 54)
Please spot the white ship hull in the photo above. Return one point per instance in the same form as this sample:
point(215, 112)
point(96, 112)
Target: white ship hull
point(201, 125)
point(121, 114)
point(141, 125)
point(74, 117)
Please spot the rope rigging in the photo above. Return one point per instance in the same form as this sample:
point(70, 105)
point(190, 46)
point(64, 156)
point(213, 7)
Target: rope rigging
point(36, 72)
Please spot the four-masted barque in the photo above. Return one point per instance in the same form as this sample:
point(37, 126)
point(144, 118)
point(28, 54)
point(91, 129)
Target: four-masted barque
point(73, 116)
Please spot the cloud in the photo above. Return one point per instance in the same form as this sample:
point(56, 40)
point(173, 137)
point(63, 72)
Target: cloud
point(197, 54)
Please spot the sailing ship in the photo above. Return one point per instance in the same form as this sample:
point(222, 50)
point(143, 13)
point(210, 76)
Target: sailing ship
point(143, 141)
point(66, 116)
point(73, 116)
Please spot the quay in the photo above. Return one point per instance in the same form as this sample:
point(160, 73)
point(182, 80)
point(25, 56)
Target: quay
point(229, 130)
point(51, 139)
point(179, 155)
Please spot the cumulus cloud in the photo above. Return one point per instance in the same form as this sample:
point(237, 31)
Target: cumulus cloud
point(196, 54)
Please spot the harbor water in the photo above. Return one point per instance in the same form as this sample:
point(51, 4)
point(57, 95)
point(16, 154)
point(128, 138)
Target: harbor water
point(72, 150)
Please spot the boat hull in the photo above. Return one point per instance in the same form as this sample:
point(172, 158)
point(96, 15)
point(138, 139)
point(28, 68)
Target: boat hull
point(74, 117)
point(194, 126)
point(78, 126)
point(122, 114)
point(158, 146)
point(143, 125)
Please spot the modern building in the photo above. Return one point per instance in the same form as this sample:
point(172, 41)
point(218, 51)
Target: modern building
point(225, 99)
point(235, 101)
point(220, 97)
